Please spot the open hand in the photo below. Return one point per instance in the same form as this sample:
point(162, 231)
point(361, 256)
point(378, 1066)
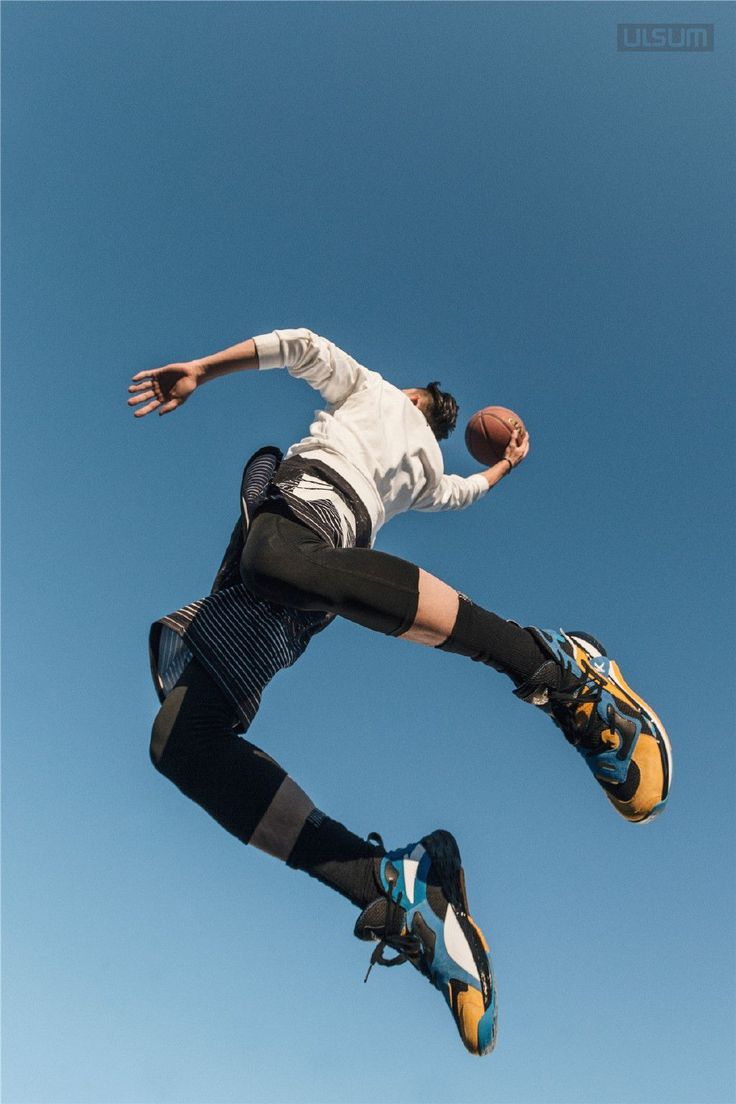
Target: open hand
point(164, 389)
point(517, 447)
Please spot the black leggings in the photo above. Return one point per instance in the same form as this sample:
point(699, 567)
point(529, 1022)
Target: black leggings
point(194, 744)
point(248, 793)
point(285, 562)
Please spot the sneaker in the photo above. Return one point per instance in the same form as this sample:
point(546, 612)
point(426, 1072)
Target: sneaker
point(422, 913)
point(620, 737)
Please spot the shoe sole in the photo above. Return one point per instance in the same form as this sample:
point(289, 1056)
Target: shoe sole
point(613, 675)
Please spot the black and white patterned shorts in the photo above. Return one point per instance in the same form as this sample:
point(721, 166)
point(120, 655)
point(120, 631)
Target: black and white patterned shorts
point(241, 640)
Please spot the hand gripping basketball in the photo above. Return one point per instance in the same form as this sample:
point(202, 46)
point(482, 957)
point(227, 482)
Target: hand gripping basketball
point(495, 432)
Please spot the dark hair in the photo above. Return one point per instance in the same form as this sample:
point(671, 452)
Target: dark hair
point(442, 412)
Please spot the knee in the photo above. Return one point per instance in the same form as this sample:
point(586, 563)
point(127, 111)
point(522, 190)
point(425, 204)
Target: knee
point(159, 738)
point(163, 727)
point(274, 573)
point(259, 571)
point(252, 564)
point(257, 559)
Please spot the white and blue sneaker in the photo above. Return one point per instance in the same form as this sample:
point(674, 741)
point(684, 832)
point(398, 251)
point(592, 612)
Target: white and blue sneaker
point(421, 912)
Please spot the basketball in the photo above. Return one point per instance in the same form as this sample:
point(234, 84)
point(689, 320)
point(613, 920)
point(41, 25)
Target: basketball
point(488, 433)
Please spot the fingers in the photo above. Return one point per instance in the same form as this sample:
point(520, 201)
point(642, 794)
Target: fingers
point(141, 398)
point(153, 390)
point(149, 392)
point(517, 447)
point(515, 440)
point(149, 373)
point(146, 409)
point(153, 404)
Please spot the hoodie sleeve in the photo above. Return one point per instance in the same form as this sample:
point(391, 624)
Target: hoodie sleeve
point(310, 357)
point(453, 492)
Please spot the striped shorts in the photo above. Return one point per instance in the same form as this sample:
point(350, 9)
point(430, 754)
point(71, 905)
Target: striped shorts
point(242, 641)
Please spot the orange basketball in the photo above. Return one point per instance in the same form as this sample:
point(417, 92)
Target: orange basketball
point(488, 433)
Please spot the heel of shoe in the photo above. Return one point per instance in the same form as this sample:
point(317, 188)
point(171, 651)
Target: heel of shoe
point(442, 848)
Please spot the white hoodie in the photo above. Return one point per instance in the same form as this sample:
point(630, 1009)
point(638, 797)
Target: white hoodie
point(370, 433)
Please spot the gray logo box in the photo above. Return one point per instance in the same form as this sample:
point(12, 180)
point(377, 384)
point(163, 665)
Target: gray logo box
point(665, 37)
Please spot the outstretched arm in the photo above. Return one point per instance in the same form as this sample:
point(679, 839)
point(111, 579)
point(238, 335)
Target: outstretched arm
point(306, 355)
point(456, 492)
point(164, 389)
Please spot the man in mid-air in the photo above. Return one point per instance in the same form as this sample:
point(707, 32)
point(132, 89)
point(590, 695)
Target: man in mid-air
point(303, 554)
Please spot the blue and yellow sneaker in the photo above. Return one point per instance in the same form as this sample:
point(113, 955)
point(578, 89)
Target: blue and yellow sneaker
point(620, 737)
point(422, 913)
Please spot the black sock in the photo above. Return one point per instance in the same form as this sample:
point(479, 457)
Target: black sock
point(487, 638)
point(329, 852)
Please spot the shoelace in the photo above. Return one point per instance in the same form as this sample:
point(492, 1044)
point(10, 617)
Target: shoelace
point(587, 734)
point(407, 946)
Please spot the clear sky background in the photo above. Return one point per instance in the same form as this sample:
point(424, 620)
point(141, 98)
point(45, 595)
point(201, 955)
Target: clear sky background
point(485, 194)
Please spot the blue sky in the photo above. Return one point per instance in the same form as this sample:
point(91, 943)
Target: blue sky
point(485, 194)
